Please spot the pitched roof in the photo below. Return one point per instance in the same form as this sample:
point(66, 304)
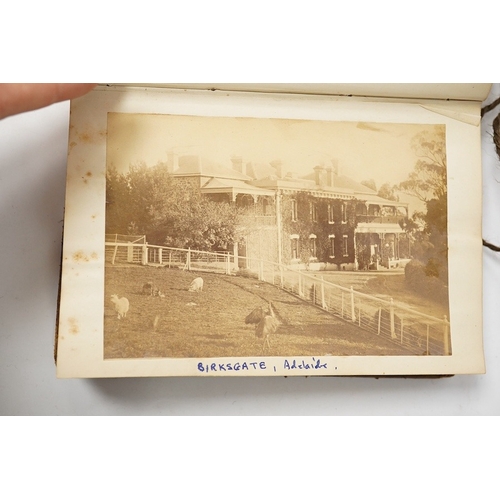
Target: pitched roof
point(195, 165)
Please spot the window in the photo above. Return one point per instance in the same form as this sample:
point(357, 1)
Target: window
point(331, 219)
point(294, 246)
point(294, 210)
point(344, 213)
point(312, 246)
point(345, 249)
point(332, 246)
point(314, 211)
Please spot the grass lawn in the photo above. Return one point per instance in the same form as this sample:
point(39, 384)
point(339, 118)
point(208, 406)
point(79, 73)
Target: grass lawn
point(211, 323)
point(394, 285)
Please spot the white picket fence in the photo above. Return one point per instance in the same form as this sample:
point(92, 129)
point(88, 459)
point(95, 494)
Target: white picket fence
point(417, 332)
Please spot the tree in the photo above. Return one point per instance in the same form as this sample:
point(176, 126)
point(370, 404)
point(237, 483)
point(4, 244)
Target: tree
point(428, 183)
point(370, 183)
point(388, 192)
point(428, 179)
point(168, 211)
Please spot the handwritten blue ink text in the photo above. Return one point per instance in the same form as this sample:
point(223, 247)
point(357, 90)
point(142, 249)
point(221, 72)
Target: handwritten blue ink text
point(228, 367)
point(301, 364)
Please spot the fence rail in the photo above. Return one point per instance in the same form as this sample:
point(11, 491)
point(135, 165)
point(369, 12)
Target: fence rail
point(416, 331)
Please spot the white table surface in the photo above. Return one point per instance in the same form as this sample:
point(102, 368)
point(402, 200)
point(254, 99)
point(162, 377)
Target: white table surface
point(33, 150)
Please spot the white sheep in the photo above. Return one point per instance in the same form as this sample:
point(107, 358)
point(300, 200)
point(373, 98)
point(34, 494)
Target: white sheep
point(196, 285)
point(121, 306)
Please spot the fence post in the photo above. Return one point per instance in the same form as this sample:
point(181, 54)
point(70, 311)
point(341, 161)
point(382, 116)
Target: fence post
point(446, 335)
point(227, 263)
point(379, 319)
point(323, 303)
point(114, 255)
point(391, 313)
point(261, 270)
point(401, 330)
point(130, 252)
point(169, 259)
point(353, 310)
point(427, 342)
point(160, 255)
point(300, 284)
point(188, 259)
point(359, 312)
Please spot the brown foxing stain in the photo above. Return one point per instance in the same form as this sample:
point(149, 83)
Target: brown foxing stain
point(80, 257)
point(93, 217)
point(72, 144)
point(73, 326)
point(85, 137)
point(94, 256)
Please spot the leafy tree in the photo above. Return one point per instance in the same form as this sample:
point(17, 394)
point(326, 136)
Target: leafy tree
point(117, 202)
point(168, 211)
point(428, 179)
point(388, 192)
point(428, 183)
point(370, 183)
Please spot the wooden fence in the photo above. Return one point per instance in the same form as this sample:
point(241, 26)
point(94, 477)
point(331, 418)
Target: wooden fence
point(419, 333)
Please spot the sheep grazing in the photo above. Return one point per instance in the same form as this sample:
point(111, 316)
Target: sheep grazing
point(149, 289)
point(196, 285)
point(121, 306)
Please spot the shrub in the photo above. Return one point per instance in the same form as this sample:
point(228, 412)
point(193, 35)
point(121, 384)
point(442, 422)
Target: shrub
point(429, 286)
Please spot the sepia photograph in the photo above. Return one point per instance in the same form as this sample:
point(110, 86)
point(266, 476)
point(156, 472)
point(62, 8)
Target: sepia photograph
point(239, 237)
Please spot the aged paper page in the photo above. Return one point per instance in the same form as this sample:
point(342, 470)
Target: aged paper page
point(319, 249)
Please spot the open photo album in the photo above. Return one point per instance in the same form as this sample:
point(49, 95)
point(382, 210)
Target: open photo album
point(272, 230)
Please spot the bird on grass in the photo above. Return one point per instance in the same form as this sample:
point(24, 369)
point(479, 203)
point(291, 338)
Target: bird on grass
point(265, 322)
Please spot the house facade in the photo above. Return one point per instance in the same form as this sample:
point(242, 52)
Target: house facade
point(324, 220)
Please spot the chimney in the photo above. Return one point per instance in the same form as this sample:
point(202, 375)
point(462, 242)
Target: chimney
point(172, 161)
point(330, 180)
point(237, 163)
point(278, 165)
point(249, 170)
point(319, 175)
point(335, 166)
